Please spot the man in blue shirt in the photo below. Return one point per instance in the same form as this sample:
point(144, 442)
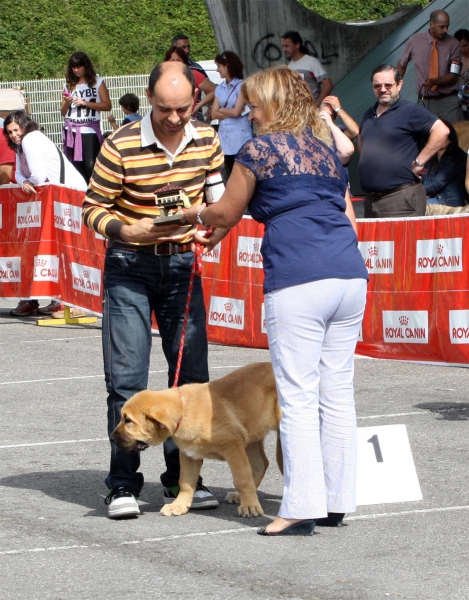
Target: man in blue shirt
point(397, 138)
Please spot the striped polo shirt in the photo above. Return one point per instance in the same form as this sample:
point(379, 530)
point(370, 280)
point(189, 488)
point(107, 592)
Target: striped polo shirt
point(133, 165)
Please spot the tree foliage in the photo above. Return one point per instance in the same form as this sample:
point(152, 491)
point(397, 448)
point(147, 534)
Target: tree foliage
point(368, 10)
point(121, 36)
point(124, 37)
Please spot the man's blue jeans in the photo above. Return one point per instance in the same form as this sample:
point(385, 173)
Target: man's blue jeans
point(135, 285)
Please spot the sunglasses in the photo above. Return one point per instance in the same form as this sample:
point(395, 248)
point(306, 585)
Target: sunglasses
point(378, 86)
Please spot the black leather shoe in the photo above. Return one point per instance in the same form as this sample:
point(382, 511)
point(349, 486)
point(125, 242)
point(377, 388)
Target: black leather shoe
point(301, 528)
point(332, 520)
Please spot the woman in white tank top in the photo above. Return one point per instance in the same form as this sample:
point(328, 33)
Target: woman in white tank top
point(85, 95)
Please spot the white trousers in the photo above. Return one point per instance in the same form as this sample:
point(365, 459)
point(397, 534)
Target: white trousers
point(313, 330)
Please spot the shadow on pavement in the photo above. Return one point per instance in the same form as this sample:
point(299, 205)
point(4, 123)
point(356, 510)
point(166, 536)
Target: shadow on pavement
point(86, 488)
point(448, 411)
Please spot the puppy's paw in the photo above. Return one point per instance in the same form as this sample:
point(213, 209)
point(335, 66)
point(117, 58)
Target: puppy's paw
point(174, 510)
point(232, 498)
point(250, 511)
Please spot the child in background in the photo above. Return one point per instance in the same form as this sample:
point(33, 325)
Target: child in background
point(130, 105)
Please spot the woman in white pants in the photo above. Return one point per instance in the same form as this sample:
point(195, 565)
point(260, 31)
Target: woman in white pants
point(315, 289)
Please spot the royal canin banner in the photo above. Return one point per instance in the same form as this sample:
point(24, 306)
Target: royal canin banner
point(417, 303)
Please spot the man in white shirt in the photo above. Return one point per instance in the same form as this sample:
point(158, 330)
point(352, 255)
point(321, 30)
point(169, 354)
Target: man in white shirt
point(309, 67)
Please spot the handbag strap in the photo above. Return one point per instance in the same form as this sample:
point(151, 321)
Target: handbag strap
point(229, 95)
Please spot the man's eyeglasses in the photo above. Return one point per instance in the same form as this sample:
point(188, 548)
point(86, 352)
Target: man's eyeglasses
point(378, 86)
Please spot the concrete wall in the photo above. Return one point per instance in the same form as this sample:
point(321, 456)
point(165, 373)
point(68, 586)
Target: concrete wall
point(252, 29)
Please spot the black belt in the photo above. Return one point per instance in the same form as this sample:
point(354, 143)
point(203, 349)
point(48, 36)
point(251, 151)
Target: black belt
point(165, 249)
point(378, 195)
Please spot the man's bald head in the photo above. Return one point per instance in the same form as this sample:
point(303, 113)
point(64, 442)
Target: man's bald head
point(438, 15)
point(173, 74)
point(439, 24)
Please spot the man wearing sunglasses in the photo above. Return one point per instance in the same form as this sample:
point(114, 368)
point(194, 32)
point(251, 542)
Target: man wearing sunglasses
point(392, 159)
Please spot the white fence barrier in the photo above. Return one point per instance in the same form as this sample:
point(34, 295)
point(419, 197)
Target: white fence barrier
point(45, 98)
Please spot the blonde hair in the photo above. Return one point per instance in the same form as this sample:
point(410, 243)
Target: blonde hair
point(287, 102)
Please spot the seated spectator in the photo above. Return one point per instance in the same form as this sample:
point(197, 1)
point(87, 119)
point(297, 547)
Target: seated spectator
point(130, 105)
point(202, 82)
point(38, 160)
point(7, 159)
point(445, 172)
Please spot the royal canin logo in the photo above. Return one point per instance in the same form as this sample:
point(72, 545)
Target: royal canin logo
point(29, 209)
point(439, 256)
point(248, 252)
point(226, 312)
point(408, 328)
point(10, 269)
point(378, 256)
point(41, 262)
point(459, 326)
point(68, 212)
point(86, 274)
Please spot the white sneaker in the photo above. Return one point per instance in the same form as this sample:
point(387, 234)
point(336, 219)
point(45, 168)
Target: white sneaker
point(122, 504)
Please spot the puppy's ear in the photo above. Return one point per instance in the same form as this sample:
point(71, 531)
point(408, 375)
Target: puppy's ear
point(161, 419)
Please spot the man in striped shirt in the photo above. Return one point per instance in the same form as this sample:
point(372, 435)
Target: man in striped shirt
point(147, 266)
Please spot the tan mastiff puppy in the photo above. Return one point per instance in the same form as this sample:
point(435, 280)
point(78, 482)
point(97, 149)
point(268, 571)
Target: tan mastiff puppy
point(226, 419)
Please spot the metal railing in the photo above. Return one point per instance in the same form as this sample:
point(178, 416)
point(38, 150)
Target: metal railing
point(45, 98)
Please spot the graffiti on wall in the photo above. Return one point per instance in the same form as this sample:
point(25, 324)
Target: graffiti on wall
point(267, 52)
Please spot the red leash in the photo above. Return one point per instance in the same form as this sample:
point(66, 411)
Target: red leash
point(196, 270)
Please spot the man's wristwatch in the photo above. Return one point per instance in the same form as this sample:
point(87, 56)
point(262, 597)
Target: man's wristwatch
point(418, 163)
point(337, 110)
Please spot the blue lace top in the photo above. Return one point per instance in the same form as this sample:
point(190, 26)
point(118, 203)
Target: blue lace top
point(300, 199)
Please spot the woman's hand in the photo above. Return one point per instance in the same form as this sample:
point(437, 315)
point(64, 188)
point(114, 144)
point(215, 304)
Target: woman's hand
point(326, 116)
point(211, 241)
point(80, 102)
point(28, 187)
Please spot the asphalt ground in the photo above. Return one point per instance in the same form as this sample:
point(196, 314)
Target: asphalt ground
point(56, 542)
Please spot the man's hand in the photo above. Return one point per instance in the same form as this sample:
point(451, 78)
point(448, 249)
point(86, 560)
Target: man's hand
point(209, 243)
point(430, 83)
point(332, 101)
point(418, 171)
point(145, 232)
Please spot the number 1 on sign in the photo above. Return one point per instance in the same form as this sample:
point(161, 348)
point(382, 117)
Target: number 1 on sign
point(377, 448)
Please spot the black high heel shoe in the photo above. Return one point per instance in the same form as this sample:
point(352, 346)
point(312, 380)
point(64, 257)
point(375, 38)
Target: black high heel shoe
point(332, 520)
point(301, 528)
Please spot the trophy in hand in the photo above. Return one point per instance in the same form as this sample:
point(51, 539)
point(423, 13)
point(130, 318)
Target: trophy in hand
point(171, 202)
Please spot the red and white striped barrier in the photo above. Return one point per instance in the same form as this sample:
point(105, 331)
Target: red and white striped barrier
point(418, 297)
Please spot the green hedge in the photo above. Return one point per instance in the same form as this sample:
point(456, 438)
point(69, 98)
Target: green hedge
point(123, 36)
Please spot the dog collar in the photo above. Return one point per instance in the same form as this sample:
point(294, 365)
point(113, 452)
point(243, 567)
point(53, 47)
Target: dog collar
point(180, 418)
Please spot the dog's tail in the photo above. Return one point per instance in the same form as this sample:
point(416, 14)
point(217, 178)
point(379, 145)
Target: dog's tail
point(279, 453)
